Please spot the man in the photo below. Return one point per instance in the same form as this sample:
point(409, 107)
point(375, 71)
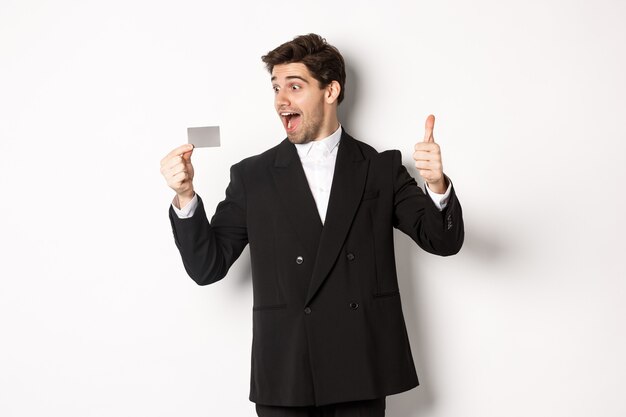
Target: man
point(318, 211)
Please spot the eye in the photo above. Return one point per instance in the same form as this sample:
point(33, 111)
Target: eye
point(295, 87)
point(275, 88)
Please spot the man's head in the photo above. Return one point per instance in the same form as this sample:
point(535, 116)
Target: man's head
point(308, 77)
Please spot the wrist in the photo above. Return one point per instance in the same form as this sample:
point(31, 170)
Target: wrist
point(182, 199)
point(438, 187)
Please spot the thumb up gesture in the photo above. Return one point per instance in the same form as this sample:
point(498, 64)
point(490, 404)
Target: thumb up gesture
point(427, 158)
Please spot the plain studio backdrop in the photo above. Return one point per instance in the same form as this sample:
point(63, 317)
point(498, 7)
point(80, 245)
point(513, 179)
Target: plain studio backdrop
point(97, 315)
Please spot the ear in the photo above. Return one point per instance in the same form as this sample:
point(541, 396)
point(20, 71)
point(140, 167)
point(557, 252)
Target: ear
point(332, 92)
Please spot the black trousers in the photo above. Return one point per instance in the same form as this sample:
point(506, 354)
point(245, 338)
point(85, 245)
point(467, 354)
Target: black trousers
point(367, 408)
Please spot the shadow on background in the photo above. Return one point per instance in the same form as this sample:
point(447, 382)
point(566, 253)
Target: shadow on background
point(416, 401)
point(486, 250)
point(347, 108)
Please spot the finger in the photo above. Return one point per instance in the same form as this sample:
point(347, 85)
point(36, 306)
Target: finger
point(426, 146)
point(187, 155)
point(421, 165)
point(172, 162)
point(430, 126)
point(421, 156)
point(173, 170)
point(424, 173)
point(180, 168)
point(178, 151)
point(429, 165)
point(177, 180)
point(426, 156)
point(430, 176)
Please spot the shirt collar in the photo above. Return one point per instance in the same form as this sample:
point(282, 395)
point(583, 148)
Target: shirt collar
point(330, 142)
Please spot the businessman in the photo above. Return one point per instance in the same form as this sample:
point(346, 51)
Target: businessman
point(318, 211)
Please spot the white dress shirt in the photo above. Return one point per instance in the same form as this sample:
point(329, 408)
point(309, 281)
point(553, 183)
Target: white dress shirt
point(318, 160)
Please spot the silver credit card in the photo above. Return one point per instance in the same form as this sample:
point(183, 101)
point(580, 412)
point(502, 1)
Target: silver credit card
point(204, 137)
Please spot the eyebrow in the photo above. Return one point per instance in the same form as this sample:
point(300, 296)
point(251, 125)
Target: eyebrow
point(292, 77)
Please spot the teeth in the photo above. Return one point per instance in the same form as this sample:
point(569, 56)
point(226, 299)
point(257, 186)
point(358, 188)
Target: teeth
point(288, 114)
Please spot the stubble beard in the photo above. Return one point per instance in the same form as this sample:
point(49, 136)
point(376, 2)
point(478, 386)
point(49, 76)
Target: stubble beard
point(308, 131)
point(299, 139)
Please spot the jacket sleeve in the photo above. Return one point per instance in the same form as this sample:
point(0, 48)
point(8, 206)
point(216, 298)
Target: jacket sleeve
point(437, 232)
point(209, 249)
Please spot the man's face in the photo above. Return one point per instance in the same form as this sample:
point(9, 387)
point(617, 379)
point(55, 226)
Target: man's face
point(299, 101)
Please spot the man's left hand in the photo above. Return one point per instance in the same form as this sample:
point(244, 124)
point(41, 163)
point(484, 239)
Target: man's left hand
point(427, 158)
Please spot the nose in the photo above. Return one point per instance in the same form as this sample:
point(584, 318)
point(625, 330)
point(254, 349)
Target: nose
point(281, 98)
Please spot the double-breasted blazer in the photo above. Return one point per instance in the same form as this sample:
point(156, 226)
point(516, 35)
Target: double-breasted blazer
point(327, 316)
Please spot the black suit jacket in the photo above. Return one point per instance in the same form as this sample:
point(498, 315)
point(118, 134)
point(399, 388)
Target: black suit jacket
point(327, 317)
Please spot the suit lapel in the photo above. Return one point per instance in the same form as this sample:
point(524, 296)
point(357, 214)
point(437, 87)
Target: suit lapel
point(295, 194)
point(346, 191)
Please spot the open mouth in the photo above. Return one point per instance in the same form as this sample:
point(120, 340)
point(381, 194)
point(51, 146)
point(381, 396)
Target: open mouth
point(291, 120)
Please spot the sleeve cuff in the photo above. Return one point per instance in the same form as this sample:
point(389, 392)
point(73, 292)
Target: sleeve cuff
point(440, 200)
point(187, 211)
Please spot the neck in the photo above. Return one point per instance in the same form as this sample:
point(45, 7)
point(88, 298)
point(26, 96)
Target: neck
point(329, 127)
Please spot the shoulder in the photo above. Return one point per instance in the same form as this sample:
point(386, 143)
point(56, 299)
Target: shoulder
point(263, 160)
point(369, 152)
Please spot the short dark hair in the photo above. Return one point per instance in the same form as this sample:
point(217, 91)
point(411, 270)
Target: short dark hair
point(322, 60)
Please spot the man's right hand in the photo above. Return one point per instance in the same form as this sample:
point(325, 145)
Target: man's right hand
point(177, 170)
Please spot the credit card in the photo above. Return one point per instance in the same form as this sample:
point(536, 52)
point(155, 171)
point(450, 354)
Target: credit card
point(204, 137)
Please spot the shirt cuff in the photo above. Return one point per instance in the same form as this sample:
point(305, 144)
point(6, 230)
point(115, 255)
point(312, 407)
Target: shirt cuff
point(440, 200)
point(187, 211)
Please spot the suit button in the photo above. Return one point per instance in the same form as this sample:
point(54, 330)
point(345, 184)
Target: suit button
point(299, 260)
point(354, 305)
point(307, 310)
point(350, 256)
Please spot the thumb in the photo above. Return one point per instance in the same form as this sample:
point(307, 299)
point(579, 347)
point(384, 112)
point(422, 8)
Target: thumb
point(430, 125)
point(187, 155)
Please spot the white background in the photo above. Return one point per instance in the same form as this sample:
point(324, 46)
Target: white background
point(97, 316)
